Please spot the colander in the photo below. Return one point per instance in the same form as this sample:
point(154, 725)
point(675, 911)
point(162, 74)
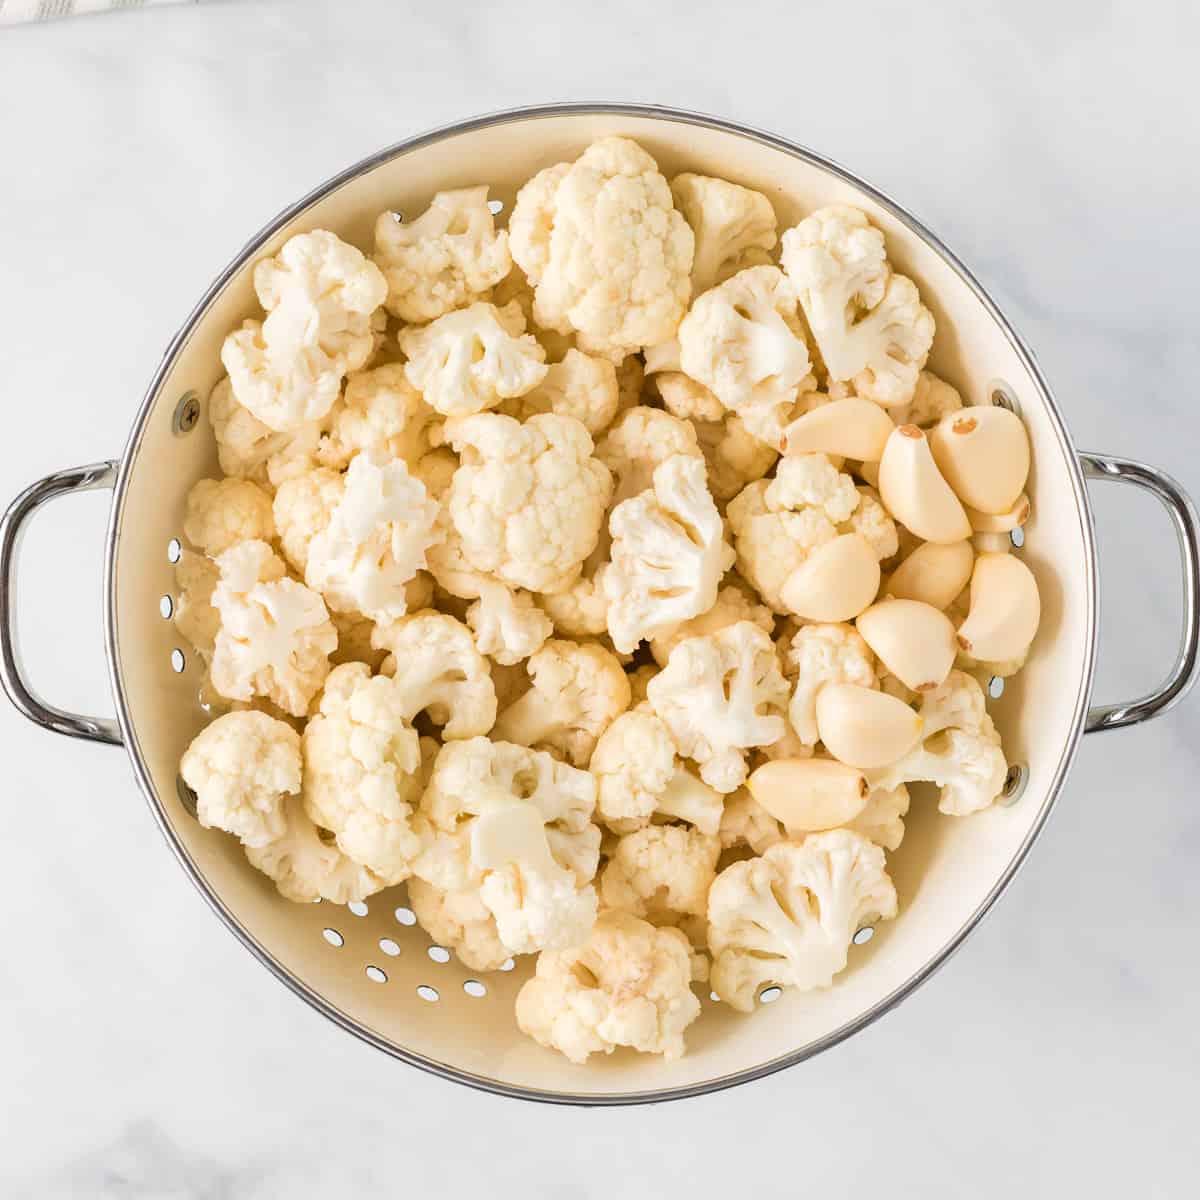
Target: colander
point(368, 966)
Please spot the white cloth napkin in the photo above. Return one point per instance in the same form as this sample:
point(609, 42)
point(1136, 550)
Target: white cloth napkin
point(14, 12)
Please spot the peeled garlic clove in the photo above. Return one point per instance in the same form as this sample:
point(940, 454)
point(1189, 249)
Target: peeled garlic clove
point(864, 728)
point(991, 543)
point(835, 582)
point(915, 641)
point(1005, 609)
point(853, 428)
point(983, 454)
point(914, 492)
point(1005, 522)
point(933, 574)
point(809, 794)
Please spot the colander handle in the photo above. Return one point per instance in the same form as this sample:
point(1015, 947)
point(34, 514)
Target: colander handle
point(1183, 516)
point(62, 483)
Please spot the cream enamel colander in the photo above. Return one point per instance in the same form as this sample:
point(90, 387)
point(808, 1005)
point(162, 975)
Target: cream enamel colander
point(368, 966)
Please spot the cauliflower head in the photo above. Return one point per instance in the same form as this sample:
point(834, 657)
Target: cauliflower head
point(661, 872)
point(275, 636)
point(447, 258)
point(222, 512)
point(821, 654)
point(641, 441)
point(668, 554)
point(461, 921)
point(788, 916)
point(720, 695)
point(380, 413)
point(869, 323)
point(932, 399)
point(528, 500)
point(735, 602)
point(628, 984)
point(580, 385)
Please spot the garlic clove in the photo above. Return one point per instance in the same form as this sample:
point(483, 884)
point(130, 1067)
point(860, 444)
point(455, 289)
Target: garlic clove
point(933, 574)
point(914, 640)
point(1004, 612)
point(865, 728)
point(914, 492)
point(852, 428)
point(983, 454)
point(1005, 522)
point(835, 582)
point(809, 794)
point(991, 543)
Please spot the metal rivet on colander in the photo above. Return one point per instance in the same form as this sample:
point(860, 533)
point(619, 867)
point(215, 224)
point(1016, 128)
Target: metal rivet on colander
point(186, 796)
point(1002, 397)
point(864, 935)
point(1014, 784)
point(187, 413)
point(995, 687)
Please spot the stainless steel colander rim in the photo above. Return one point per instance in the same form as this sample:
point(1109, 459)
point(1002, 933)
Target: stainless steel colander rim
point(297, 985)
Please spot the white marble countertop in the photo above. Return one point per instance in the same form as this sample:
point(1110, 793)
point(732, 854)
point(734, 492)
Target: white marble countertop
point(143, 1053)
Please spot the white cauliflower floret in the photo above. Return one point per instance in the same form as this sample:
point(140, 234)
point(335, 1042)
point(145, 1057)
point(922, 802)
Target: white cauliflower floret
point(787, 917)
point(241, 768)
point(507, 624)
point(960, 750)
point(244, 443)
point(275, 636)
point(882, 818)
point(668, 555)
point(871, 522)
point(629, 984)
point(869, 323)
point(932, 399)
point(581, 611)
point(375, 539)
point(362, 771)
point(776, 524)
point(302, 509)
point(683, 397)
point(720, 695)
point(744, 822)
point(354, 637)
point(195, 617)
point(380, 412)
point(222, 512)
point(661, 873)
point(821, 654)
point(473, 359)
point(604, 247)
point(448, 257)
point(461, 921)
point(439, 671)
point(734, 227)
point(581, 385)
point(529, 499)
point(577, 691)
point(319, 294)
point(743, 340)
point(735, 602)
point(642, 440)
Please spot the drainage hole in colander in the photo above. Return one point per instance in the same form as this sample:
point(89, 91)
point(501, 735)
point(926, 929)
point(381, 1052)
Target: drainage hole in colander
point(1014, 784)
point(397, 216)
point(358, 908)
point(186, 796)
point(376, 975)
point(1017, 537)
point(389, 947)
point(334, 938)
point(439, 954)
point(864, 935)
point(428, 993)
point(166, 606)
point(178, 662)
point(495, 207)
point(769, 995)
point(507, 965)
point(714, 997)
point(406, 916)
point(995, 687)
point(174, 550)
point(474, 988)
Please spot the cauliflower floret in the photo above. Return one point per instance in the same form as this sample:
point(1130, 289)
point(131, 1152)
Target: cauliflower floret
point(362, 770)
point(275, 636)
point(380, 412)
point(734, 227)
point(720, 695)
point(244, 443)
point(787, 917)
point(604, 247)
point(515, 288)
point(744, 822)
point(821, 654)
point(668, 555)
point(473, 359)
point(507, 624)
point(529, 499)
point(683, 397)
point(461, 921)
point(354, 639)
point(580, 386)
point(302, 509)
point(639, 681)
point(629, 984)
point(661, 873)
point(438, 671)
point(221, 512)
point(241, 767)
point(581, 611)
point(195, 617)
point(375, 539)
point(642, 440)
point(735, 602)
point(577, 691)
point(776, 524)
point(448, 257)
point(743, 340)
point(960, 749)
point(871, 522)
point(319, 294)
point(882, 818)
point(932, 399)
point(869, 323)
